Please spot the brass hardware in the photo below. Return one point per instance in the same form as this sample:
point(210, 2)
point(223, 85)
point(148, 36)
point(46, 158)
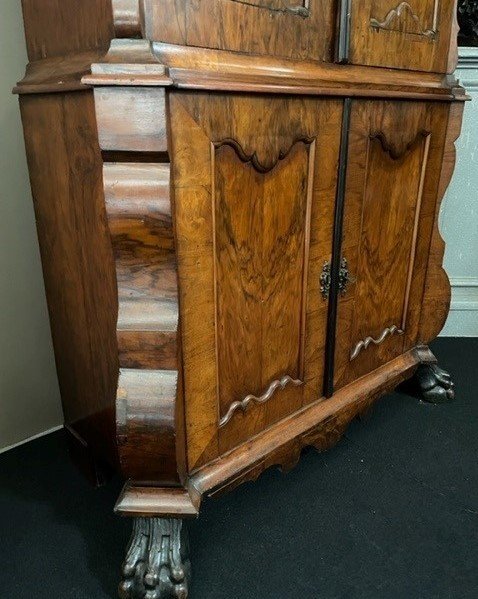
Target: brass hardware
point(344, 277)
point(326, 278)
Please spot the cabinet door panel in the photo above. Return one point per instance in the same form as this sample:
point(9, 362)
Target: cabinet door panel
point(408, 35)
point(394, 160)
point(254, 186)
point(260, 240)
point(301, 29)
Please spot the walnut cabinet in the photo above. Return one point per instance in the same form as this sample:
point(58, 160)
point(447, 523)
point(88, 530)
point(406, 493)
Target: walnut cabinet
point(237, 207)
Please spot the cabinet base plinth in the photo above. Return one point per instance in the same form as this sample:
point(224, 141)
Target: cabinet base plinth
point(157, 563)
point(431, 384)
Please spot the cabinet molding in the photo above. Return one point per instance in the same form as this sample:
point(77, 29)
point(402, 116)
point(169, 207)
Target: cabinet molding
point(302, 9)
point(364, 343)
point(244, 403)
point(394, 19)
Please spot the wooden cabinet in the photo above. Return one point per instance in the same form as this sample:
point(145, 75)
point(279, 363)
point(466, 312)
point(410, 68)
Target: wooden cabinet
point(239, 234)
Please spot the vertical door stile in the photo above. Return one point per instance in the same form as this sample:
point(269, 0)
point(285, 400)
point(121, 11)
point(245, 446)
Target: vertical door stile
point(342, 51)
point(337, 250)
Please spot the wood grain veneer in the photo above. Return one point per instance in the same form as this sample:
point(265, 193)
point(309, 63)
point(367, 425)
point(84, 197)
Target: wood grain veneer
point(66, 176)
point(415, 35)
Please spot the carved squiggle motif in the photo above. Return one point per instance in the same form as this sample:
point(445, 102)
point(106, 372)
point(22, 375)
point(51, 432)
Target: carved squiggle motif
point(404, 9)
point(253, 159)
point(273, 387)
point(302, 10)
point(394, 151)
point(362, 345)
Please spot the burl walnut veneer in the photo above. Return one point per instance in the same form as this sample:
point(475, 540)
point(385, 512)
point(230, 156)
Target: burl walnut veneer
point(237, 206)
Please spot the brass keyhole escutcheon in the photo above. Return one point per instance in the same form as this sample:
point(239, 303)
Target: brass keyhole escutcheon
point(345, 278)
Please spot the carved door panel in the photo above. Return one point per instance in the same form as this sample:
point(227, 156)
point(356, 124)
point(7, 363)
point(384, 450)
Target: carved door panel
point(254, 182)
point(300, 29)
point(416, 34)
point(394, 161)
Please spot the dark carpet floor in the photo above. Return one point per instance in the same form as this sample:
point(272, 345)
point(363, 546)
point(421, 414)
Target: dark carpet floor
point(390, 513)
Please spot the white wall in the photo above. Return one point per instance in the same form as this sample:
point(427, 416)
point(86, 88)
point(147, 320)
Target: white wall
point(459, 216)
point(29, 396)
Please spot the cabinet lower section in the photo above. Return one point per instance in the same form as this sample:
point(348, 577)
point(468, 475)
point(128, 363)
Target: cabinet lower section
point(157, 564)
point(320, 425)
point(304, 227)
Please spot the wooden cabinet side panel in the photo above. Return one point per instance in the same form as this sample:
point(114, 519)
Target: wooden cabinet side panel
point(66, 177)
point(437, 296)
point(289, 28)
point(60, 27)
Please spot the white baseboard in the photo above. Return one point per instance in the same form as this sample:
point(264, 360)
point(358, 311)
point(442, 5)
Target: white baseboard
point(43, 434)
point(463, 318)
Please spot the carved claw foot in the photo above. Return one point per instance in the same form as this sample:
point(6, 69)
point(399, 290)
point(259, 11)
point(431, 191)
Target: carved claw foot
point(431, 383)
point(157, 565)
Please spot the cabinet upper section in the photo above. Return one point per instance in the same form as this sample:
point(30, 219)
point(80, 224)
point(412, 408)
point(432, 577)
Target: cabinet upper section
point(417, 35)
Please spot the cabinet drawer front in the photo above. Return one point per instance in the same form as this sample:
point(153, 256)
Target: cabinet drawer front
point(392, 179)
point(414, 35)
point(301, 29)
point(254, 183)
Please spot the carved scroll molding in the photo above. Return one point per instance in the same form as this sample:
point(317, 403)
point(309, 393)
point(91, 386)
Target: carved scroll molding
point(364, 344)
point(400, 14)
point(273, 387)
point(302, 9)
point(127, 18)
point(265, 164)
point(396, 150)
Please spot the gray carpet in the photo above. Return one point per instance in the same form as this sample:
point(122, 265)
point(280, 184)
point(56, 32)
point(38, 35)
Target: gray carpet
point(390, 513)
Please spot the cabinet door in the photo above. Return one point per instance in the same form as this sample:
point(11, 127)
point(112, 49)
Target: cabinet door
point(413, 35)
point(394, 161)
point(300, 29)
point(254, 181)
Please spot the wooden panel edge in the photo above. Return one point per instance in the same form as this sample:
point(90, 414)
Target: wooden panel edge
point(453, 47)
point(58, 74)
point(321, 425)
point(142, 63)
point(437, 296)
point(164, 502)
